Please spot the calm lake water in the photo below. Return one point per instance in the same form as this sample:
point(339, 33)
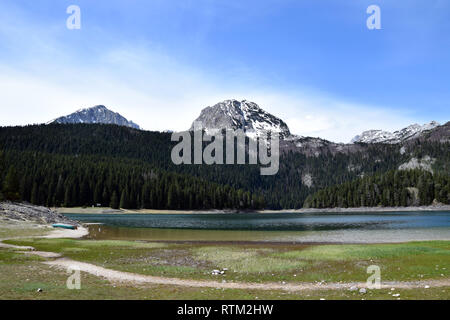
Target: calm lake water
point(279, 227)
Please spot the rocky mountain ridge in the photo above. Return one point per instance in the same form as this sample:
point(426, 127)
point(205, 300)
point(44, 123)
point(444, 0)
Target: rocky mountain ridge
point(380, 136)
point(248, 116)
point(96, 114)
point(233, 114)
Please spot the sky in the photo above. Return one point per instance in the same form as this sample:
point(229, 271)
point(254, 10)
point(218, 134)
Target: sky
point(314, 64)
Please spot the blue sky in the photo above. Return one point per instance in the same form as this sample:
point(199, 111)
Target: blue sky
point(159, 62)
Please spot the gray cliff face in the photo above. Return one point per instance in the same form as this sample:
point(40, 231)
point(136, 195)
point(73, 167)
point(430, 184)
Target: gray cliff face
point(97, 114)
point(245, 115)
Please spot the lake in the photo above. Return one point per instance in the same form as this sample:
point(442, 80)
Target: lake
point(277, 227)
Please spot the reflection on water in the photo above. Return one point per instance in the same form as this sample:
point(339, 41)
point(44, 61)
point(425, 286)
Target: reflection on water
point(284, 227)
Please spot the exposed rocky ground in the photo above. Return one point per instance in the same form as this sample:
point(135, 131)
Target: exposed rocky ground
point(32, 213)
point(425, 164)
point(245, 115)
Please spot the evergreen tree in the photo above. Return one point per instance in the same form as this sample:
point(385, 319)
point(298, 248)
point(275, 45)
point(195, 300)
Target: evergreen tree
point(35, 194)
point(98, 192)
point(11, 185)
point(114, 204)
point(59, 193)
point(105, 197)
point(84, 198)
point(124, 201)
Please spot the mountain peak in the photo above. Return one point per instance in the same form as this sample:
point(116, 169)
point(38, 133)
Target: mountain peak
point(245, 115)
point(380, 136)
point(96, 114)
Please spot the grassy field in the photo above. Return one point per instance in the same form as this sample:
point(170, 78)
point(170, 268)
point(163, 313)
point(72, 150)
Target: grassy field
point(12, 229)
point(21, 275)
point(256, 263)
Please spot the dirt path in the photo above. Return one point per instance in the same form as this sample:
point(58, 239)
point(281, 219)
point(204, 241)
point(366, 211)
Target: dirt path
point(127, 277)
point(120, 276)
point(11, 246)
point(56, 233)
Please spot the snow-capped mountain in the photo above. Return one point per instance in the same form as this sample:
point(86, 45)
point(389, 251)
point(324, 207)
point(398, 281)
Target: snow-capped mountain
point(97, 114)
point(379, 136)
point(245, 115)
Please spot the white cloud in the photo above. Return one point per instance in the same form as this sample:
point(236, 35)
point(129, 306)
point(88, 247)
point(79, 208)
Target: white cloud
point(159, 94)
point(316, 114)
point(44, 79)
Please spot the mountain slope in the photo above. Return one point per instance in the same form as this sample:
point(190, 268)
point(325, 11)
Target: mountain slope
point(97, 114)
point(99, 149)
point(379, 136)
point(245, 115)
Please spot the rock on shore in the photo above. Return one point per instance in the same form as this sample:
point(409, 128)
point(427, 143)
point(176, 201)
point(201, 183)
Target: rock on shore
point(32, 213)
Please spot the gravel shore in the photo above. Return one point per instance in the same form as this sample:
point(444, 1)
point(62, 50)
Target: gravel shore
point(32, 213)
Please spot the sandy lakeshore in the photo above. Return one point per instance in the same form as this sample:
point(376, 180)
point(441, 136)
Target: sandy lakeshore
point(15, 217)
point(67, 233)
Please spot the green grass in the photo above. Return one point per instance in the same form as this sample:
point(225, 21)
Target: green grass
point(257, 263)
point(370, 251)
point(21, 276)
point(398, 262)
point(246, 263)
point(13, 229)
point(275, 264)
point(246, 260)
point(101, 252)
point(12, 257)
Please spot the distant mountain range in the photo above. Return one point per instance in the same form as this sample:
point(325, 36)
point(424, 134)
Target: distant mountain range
point(87, 162)
point(96, 114)
point(254, 121)
point(379, 136)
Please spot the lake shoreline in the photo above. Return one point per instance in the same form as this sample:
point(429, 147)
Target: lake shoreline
point(262, 268)
point(105, 210)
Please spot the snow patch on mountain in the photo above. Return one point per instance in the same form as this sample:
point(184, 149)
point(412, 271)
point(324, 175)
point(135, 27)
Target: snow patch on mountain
point(96, 114)
point(379, 136)
point(248, 116)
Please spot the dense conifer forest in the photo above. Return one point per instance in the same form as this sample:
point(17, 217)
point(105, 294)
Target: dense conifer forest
point(109, 165)
point(391, 189)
